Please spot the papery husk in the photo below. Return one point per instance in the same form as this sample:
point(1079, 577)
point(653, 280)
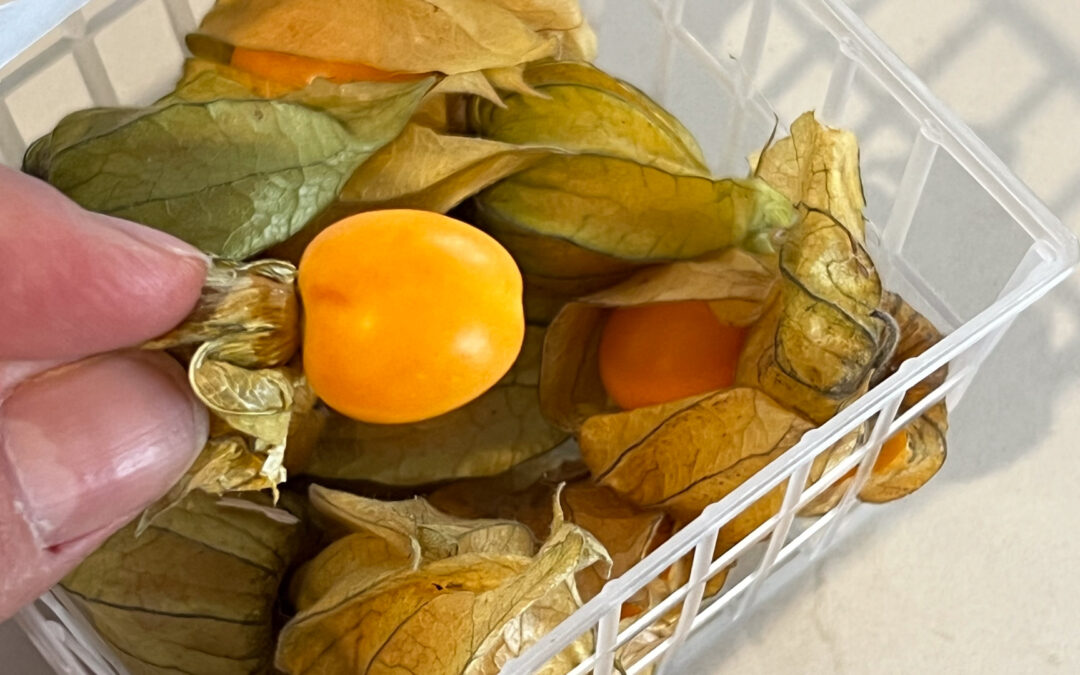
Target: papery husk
point(684, 455)
point(406, 36)
point(424, 169)
point(817, 347)
point(739, 287)
point(467, 613)
point(917, 335)
point(922, 457)
point(626, 532)
point(246, 326)
point(194, 593)
point(501, 428)
point(580, 108)
point(415, 525)
point(925, 441)
point(817, 167)
point(622, 212)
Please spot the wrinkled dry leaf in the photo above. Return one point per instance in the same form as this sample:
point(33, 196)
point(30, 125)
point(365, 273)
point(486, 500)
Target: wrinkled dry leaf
point(468, 613)
point(897, 473)
point(195, 593)
point(818, 167)
point(421, 169)
point(818, 345)
point(738, 285)
point(618, 208)
point(232, 176)
point(577, 107)
point(499, 429)
point(684, 455)
point(410, 36)
point(825, 462)
point(475, 83)
point(627, 533)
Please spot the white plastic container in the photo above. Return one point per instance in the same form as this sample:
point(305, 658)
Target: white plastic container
point(792, 55)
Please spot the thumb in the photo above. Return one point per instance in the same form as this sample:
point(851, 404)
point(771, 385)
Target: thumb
point(84, 448)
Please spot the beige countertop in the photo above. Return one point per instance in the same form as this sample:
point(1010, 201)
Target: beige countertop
point(975, 573)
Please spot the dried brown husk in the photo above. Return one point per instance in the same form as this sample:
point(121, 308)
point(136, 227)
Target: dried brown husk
point(818, 167)
point(467, 613)
point(405, 36)
point(580, 108)
point(817, 347)
point(246, 326)
point(498, 430)
point(739, 287)
point(194, 593)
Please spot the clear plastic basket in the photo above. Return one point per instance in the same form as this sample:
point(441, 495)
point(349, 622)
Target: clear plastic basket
point(952, 230)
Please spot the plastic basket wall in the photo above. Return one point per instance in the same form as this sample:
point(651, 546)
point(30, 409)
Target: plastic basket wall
point(728, 69)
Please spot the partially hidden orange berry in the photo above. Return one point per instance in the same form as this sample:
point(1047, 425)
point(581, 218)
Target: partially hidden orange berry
point(407, 314)
point(299, 71)
point(662, 352)
point(890, 452)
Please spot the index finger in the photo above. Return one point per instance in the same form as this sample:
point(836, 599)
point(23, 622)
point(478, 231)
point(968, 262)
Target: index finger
point(76, 283)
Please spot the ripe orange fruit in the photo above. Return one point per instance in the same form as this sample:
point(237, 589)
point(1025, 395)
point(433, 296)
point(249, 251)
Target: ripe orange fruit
point(889, 453)
point(299, 71)
point(407, 314)
point(665, 351)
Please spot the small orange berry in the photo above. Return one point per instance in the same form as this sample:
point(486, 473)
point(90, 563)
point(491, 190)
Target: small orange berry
point(662, 352)
point(407, 314)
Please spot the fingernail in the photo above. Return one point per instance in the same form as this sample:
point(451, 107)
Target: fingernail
point(95, 442)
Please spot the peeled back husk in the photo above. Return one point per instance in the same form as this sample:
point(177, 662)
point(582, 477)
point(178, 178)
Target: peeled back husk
point(244, 330)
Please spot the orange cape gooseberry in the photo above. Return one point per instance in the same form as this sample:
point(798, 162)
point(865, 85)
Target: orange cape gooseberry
point(407, 314)
point(665, 351)
point(299, 71)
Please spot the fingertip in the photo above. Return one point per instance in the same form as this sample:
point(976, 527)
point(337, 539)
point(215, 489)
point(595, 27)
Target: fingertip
point(78, 283)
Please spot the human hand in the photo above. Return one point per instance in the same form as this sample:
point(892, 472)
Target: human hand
point(89, 435)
